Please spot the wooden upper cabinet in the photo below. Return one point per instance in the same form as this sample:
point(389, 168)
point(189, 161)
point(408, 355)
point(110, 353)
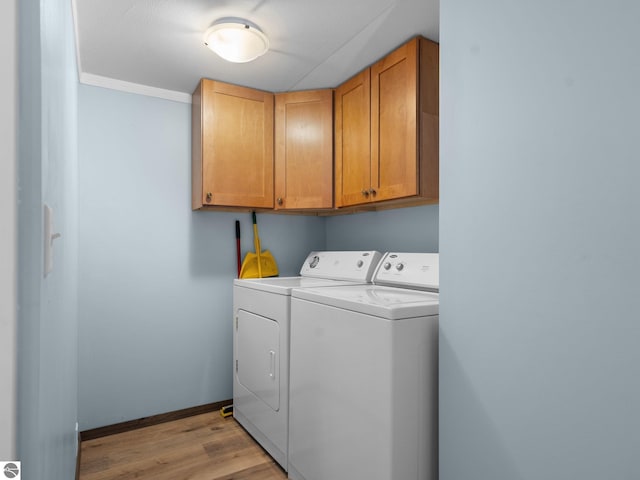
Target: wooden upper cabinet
point(400, 163)
point(254, 149)
point(393, 124)
point(304, 150)
point(352, 137)
point(232, 148)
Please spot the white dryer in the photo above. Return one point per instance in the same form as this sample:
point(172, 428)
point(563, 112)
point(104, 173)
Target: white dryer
point(261, 341)
point(363, 385)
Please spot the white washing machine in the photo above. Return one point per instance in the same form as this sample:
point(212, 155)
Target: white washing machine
point(363, 385)
point(261, 341)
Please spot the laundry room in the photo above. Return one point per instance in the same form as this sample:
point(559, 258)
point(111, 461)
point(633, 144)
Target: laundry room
point(173, 318)
point(127, 313)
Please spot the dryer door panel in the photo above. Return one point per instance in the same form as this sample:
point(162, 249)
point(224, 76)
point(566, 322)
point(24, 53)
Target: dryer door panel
point(258, 357)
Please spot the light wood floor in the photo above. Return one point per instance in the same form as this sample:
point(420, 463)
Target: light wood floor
point(201, 447)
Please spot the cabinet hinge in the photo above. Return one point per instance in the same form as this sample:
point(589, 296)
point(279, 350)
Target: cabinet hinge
point(236, 366)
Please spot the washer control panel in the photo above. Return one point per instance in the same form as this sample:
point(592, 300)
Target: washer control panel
point(342, 265)
point(410, 270)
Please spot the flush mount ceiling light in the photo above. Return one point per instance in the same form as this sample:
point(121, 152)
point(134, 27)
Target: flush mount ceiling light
point(236, 40)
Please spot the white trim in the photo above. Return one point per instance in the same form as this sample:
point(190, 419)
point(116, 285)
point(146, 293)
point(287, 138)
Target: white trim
point(114, 84)
point(8, 220)
point(74, 14)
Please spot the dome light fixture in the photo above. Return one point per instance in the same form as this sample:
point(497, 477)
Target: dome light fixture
point(236, 40)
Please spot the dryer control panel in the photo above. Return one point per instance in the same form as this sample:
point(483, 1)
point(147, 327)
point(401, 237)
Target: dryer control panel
point(409, 270)
point(341, 265)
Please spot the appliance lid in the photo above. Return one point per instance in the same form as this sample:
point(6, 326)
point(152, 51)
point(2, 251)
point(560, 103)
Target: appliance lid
point(356, 266)
point(386, 302)
point(284, 285)
point(420, 271)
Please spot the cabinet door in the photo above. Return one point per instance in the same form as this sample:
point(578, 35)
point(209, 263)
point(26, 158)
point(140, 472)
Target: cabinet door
point(304, 150)
point(394, 140)
point(352, 133)
point(237, 146)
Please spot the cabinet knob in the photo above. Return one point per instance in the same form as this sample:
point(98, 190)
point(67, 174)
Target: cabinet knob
point(372, 191)
point(209, 197)
point(279, 201)
point(365, 193)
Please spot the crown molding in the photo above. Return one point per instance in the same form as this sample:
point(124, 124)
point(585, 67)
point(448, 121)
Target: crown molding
point(130, 87)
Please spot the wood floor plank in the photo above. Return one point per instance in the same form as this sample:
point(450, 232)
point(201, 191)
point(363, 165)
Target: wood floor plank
point(201, 447)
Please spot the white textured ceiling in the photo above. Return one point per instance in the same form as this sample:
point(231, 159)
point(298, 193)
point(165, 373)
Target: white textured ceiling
point(314, 43)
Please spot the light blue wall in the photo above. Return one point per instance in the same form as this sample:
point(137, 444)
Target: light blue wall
point(47, 173)
point(412, 229)
point(156, 278)
point(539, 236)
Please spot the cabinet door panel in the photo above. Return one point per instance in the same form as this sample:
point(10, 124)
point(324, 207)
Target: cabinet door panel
point(394, 124)
point(304, 150)
point(237, 146)
point(353, 150)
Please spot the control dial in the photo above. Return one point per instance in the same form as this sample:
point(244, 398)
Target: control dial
point(313, 263)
